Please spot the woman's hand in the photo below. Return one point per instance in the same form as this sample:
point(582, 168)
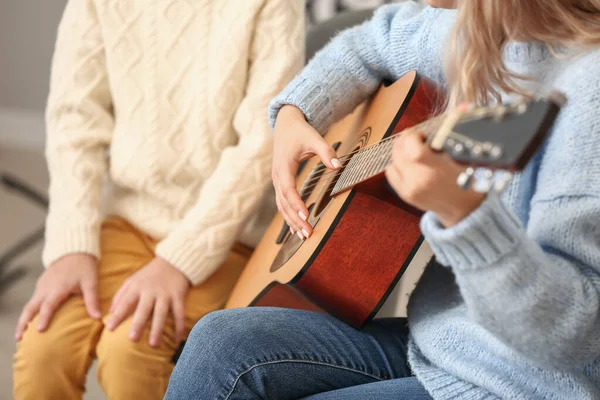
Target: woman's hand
point(154, 290)
point(296, 141)
point(427, 180)
point(71, 274)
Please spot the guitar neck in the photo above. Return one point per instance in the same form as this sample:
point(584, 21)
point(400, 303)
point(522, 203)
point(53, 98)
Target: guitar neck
point(371, 161)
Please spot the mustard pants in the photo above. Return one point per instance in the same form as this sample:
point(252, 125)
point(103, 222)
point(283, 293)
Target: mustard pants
point(54, 364)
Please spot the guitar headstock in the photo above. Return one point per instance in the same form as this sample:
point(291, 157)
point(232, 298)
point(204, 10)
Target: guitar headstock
point(498, 140)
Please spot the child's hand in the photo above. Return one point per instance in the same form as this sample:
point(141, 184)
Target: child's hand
point(296, 141)
point(154, 290)
point(71, 274)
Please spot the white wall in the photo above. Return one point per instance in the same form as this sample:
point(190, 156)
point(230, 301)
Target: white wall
point(27, 34)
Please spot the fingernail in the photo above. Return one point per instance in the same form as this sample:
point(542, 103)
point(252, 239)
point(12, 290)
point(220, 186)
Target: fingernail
point(463, 107)
point(336, 163)
point(301, 215)
point(132, 335)
point(300, 235)
point(293, 232)
point(305, 232)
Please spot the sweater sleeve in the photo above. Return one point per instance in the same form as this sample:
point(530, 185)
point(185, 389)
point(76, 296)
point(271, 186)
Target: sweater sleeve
point(79, 125)
point(536, 289)
point(351, 68)
point(200, 243)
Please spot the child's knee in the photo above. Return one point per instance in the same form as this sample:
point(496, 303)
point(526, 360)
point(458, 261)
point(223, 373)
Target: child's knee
point(124, 364)
point(45, 351)
point(49, 365)
point(118, 355)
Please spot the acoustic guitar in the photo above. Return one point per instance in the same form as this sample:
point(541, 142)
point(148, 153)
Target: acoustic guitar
point(366, 253)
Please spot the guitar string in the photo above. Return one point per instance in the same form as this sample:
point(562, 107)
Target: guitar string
point(453, 135)
point(316, 180)
point(323, 179)
point(425, 125)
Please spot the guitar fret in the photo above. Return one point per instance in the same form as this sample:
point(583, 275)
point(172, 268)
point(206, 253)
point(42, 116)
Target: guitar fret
point(343, 180)
point(351, 171)
point(371, 171)
point(368, 163)
point(374, 159)
point(383, 162)
point(371, 153)
point(357, 170)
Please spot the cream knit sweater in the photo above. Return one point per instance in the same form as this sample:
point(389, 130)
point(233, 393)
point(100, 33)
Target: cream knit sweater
point(168, 98)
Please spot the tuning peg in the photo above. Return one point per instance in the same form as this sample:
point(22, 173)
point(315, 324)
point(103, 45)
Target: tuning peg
point(499, 112)
point(521, 107)
point(465, 179)
point(495, 152)
point(484, 181)
point(458, 148)
point(501, 180)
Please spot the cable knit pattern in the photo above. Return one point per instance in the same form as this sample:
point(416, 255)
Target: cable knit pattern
point(517, 313)
point(176, 91)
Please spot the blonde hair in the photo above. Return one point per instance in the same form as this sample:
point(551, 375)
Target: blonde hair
point(474, 66)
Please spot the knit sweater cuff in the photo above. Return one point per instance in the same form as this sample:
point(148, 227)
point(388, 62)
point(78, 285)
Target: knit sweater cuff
point(481, 239)
point(186, 257)
point(309, 97)
point(70, 240)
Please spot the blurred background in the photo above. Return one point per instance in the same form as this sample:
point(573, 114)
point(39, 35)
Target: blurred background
point(27, 34)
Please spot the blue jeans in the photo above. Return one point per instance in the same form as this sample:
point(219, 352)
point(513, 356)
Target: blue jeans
point(273, 353)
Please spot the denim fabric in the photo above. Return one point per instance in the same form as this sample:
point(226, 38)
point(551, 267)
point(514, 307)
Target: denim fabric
point(272, 353)
point(516, 315)
point(394, 389)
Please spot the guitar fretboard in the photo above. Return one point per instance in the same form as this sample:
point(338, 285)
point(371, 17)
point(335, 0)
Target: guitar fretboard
point(374, 159)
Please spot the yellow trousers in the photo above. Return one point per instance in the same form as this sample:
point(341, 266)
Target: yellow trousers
point(54, 364)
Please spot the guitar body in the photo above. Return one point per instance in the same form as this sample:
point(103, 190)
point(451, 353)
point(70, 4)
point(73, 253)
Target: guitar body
point(366, 247)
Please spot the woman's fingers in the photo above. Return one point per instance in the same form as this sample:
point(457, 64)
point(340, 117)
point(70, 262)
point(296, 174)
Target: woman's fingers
point(298, 209)
point(282, 210)
point(292, 219)
point(394, 178)
point(325, 152)
point(292, 202)
point(283, 192)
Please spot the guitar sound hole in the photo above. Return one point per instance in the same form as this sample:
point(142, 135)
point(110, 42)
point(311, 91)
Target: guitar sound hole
point(291, 243)
point(325, 199)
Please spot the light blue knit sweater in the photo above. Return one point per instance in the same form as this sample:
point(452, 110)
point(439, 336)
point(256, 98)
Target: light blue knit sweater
point(517, 314)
